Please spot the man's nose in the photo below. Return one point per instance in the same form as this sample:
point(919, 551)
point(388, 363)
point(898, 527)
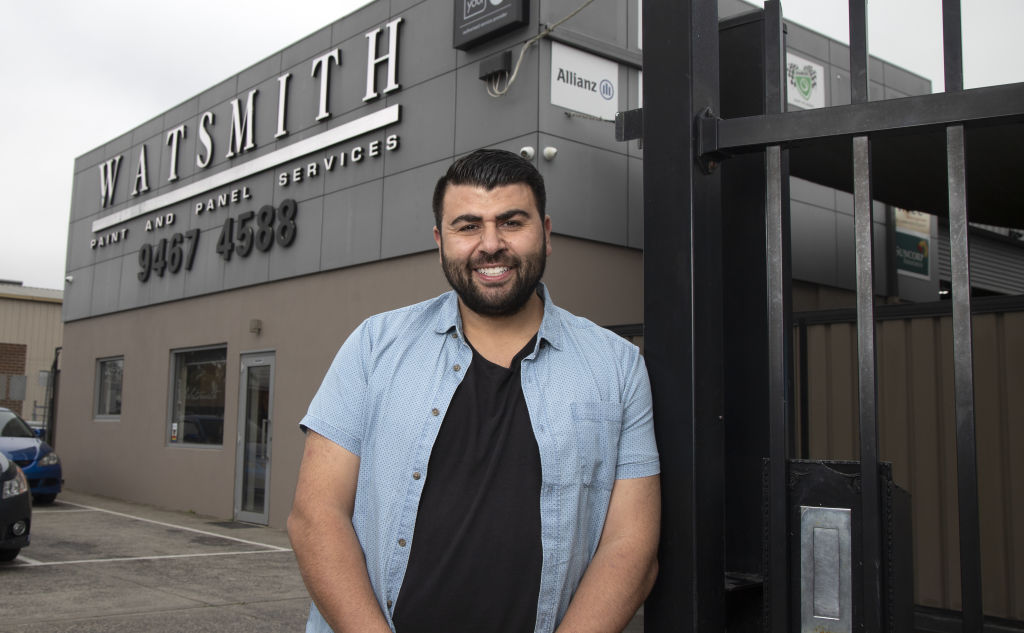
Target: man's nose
point(490, 239)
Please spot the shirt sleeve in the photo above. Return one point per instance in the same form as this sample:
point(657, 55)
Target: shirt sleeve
point(638, 451)
point(337, 410)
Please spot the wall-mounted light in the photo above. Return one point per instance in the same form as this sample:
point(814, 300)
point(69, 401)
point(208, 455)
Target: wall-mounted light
point(255, 326)
point(527, 152)
point(549, 153)
point(69, 279)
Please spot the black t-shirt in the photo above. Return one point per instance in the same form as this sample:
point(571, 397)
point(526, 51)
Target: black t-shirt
point(476, 552)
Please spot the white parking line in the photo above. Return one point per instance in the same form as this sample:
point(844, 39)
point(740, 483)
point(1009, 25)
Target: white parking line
point(180, 527)
point(30, 562)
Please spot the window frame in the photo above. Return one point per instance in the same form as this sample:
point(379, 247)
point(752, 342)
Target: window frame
point(98, 389)
point(172, 378)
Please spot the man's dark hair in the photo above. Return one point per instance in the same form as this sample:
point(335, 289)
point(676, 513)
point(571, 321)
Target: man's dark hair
point(490, 168)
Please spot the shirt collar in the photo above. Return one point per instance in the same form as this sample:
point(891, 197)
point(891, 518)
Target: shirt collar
point(551, 328)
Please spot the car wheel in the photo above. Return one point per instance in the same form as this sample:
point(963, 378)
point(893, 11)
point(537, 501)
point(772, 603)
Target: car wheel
point(8, 554)
point(44, 499)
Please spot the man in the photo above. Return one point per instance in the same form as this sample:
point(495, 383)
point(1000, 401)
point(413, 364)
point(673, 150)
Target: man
point(483, 461)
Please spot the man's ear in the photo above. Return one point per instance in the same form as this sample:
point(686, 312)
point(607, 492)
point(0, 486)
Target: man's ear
point(437, 240)
point(547, 232)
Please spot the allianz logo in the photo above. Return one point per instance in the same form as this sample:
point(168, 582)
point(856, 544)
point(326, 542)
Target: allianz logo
point(476, 7)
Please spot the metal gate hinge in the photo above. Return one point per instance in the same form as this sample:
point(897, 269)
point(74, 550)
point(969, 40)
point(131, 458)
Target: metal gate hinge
point(708, 154)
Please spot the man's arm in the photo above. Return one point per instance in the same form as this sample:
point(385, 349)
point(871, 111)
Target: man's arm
point(625, 564)
point(320, 528)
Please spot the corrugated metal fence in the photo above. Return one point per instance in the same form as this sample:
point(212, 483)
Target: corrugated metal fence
point(917, 432)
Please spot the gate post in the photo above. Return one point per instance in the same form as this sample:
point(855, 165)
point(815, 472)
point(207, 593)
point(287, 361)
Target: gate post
point(683, 313)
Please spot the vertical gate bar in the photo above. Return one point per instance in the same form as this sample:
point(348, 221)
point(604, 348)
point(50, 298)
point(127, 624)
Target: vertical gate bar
point(683, 314)
point(952, 46)
point(805, 400)
point(859, 54)
point(963, 382)
point(776, 576)
point(871, 549)
point(778, 557)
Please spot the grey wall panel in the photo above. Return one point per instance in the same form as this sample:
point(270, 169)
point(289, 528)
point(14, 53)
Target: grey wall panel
point(166, 288)
point(307, 177)
point(419, 33)
point(587, 191)
point(246, 271)
point(876, 91)
point(156, 174)
point(186, 114)
point(428, 125)
point(633, 101)
point(149, 129)
point(218, 94)
point(77, 303)
point(890, 93)
point(844, 202)
point(342, 176)
point(259, 188)
point(481, 120)
point(635, 230)
point(106, 285)
point(260, 72)
point(813, 232)
point(407, 218)
point(806, 42)
point(905, 82)
point(303, 255)
point(307, 48)
point(79, 253)
point(366, 18)
point(207, 274)
point(605, 20)
point(839, 54)
point(132, 292)
point(812, 193)
point(352, 225)
point(839, 84)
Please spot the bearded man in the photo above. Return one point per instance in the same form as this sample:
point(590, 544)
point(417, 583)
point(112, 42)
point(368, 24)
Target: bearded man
point(483, 461)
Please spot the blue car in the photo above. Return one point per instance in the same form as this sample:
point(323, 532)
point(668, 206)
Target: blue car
point(15, 510)
point(23, 447)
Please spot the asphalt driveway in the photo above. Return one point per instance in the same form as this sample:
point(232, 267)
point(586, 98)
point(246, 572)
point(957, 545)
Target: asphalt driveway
point(101, 565)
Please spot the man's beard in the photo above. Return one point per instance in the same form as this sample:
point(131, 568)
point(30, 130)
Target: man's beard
point(528, 272)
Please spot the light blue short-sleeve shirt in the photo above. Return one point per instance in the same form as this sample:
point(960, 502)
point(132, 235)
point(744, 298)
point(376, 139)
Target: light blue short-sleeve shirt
point(387, 392)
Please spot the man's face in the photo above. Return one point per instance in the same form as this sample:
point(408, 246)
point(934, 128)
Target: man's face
point(493, 246)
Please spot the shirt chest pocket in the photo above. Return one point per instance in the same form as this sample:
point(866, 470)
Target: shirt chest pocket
point(596, 427)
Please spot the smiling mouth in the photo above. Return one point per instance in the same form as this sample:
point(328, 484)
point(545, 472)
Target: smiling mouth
point(493, 271)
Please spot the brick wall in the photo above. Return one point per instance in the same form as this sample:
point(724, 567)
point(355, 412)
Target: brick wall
point(12, 363)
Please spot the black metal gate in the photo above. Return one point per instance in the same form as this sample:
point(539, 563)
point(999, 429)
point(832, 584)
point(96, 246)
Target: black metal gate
point(717, 313)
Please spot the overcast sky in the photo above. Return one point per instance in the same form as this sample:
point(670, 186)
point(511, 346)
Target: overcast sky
point(78, 74)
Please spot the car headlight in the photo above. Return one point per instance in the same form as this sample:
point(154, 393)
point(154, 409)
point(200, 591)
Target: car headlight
point(16, 486)
point(49, 459)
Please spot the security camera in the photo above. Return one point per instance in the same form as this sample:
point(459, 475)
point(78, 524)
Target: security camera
point(526, 152)
point(549, 153)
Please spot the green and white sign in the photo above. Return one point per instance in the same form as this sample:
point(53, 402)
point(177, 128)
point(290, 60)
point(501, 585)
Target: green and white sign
point(805, 82)
point(913, 243)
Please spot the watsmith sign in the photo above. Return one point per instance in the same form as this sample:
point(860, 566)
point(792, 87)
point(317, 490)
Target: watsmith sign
point(235, 137)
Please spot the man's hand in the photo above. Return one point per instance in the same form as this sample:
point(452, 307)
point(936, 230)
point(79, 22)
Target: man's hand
point(625, 564)
point(320, 528)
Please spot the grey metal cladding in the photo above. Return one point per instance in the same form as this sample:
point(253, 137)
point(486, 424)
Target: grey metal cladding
point(420, 32)
point(606, 20)
point(352, 221)
point(428, 122)
point(814, 229)
point(407, 218)
point(483, 121)
point(303, 255)
point(587, 191)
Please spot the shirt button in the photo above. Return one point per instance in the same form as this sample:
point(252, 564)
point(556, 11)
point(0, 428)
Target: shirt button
point(416, 476)
point(457, 367)
point(435, 412)
point(389, 604)
point(455, 335)
point(401, 542)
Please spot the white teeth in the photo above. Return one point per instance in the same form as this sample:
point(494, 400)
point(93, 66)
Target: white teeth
point(493, 271)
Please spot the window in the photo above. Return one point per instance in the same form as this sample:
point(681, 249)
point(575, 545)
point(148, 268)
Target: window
point(197, 396)
point(109, 372)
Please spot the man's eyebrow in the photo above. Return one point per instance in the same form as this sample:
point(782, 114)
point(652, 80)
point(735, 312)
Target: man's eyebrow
point(471, 218)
